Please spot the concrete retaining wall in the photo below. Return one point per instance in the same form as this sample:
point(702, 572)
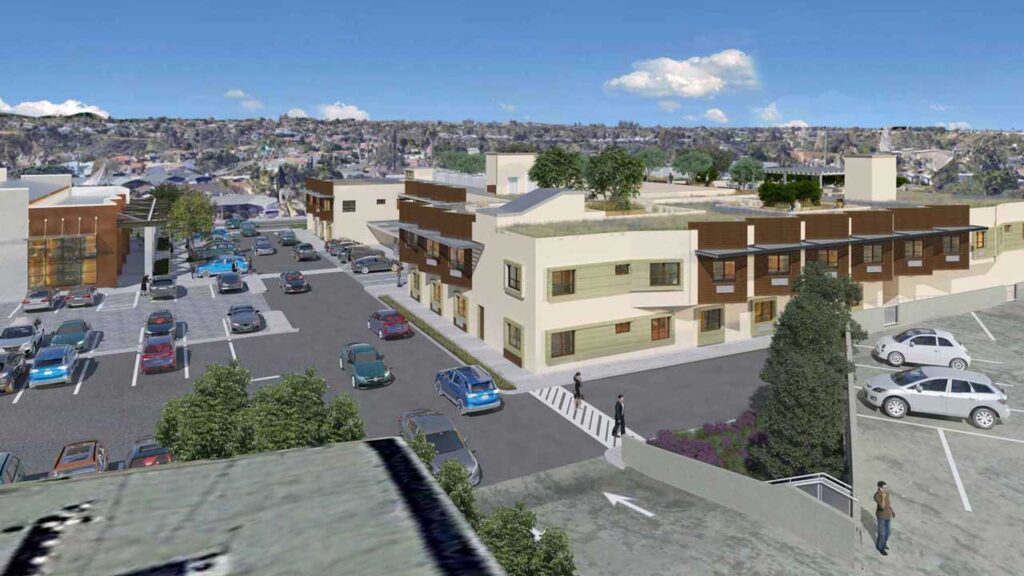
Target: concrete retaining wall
point(780, 507)
point(918, 311)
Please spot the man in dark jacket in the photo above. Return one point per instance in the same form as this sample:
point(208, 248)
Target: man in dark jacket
point(884, 514)
point(620, 419)
point(577, 390)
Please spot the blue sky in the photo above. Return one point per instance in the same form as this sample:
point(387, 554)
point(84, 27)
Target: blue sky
point(693, 62)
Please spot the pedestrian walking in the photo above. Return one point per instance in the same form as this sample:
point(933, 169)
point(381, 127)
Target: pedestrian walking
point(884, 514)
point(577, 391)
point(234, 267)
point(145, 284)
point(620, 419)
point(398, 276)
point(192, 270)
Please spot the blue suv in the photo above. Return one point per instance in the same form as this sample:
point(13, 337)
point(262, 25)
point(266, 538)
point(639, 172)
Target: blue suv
point(53, 365)
point(470, 388)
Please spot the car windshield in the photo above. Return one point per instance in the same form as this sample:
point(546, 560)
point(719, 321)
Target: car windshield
point(907, 377)
point(293, 277)
point(242, 310)
point(444, 442)
point(365, 356)
point(16, 332)
point(483, 387)
point(48, 362)
point(76, 454)
point(472, 373)
point(38, 294)
point(71, 328)
point(903, 336)
point(305, 246)
point(389, 318)
point(79, 292)
point(150, 460)
point(229, 277)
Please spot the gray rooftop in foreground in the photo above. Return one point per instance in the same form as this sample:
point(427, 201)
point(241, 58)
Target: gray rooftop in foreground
point(36, 189)
point(528, 201)
point(328, 510)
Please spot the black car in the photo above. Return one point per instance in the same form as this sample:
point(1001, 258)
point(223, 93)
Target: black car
point(161, 323)
point(293, 282)
point(305, 251)
point(244, 318)
point(230, 282)
point(147, 452)
point(287, 238)
point(12, 368)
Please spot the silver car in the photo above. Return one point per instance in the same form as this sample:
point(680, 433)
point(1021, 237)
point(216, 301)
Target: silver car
point(163, 286)
point(82, 296)
point(40, 299)
point(923, 346)
point(230, 282)
point(23, 335)
point(939, 391)
point(12, 368)
point(369, 264)
point(262, 246)
point(442, 435)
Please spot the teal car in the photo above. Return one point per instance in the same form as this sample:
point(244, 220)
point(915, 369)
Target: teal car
point(249, 229)
point(366, 365)
point(233, 223)
point(74, 333)
point(222, 265)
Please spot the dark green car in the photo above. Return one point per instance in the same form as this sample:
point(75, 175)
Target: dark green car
point(249, 229)
point(233, 223)
point(73, 333)
point(366, 365)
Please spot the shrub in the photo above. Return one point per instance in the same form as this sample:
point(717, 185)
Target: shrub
point(161, 266)
point(722, 444)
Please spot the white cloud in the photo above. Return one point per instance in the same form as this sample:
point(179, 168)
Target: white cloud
point(668, 105)
point(236, 94)
point(510, 108)
point(954, 125)
point(716, 115)
point(46, 108)
point(297, 113)
point(252, 104)
point(691, 117)
point(769, 113)
point(696, 77)
point(793, 124)
point(341, 111)
point(938, 107)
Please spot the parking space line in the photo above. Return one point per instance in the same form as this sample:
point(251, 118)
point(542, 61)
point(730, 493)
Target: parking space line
point(967, 432)
point(184, 353)
point(877, 367)
point(231, 345)
point(81, 377)
point(136, 303)
point(987, 361)
point(18, 396)
point(955, 471)
point(15, 311)
point(102, 304)
point(983, 327)
point(1015, 410)
point(212, 293)
point(138, 354)
point(263, 378)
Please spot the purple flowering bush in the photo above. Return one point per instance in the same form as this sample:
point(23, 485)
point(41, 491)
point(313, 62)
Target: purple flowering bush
point(722, 444)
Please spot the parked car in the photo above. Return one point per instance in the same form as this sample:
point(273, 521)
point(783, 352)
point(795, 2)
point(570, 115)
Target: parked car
point(358, 251)
point(215, 248)
point(305, 251)
point(159, 353)
point(230, 282)
point(222, 264)
point(53, 365)
point(369, 264)
point(24, 335)
point(147, 452)
point(287, 238)
point(11, 469)
point(333, 246)
point(79, 458)
point(366, 365)
point(40, 299)
point(163, 286)
point(262, 246)
point(221, 233)
point(12, 367)
point(82, 296)
point(924, 346)
point(72, 333)
point(249, 229)
point(161, 323)
point(388, 323)
point(245, 318)
point(233, 223)
point(293, 282)
point(470, 388)
point(939, 391)
point(442, 435)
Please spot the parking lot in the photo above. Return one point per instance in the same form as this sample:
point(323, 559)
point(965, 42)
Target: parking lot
point(958, 491)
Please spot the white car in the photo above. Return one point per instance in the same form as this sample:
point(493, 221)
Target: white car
point(939, 392)
point(923, 346)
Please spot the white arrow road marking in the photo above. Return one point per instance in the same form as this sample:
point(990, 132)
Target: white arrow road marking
point(615, 499)
point(18, 396)
point(536, 534)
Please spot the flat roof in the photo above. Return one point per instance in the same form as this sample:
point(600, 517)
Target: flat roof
point(372, 503)
point(36, 189)
point(236, 199)
point(606, 225)
point(85, 196)
point(806, 170)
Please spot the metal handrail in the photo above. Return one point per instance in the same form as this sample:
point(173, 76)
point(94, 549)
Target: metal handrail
point(819, 481)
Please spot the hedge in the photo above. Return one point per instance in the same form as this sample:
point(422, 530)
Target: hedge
point(161, 266)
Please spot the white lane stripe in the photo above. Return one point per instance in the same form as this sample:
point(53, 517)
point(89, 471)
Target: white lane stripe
point(864, 346)
point(142, 332)
point(136, 303)
point(955, 471)
point(135, 372)
point(1015, 410)
point(81, 376)
point(212, 293)
point(15, 311)
point(18, 396)
point(102, 304)
point(231, 345)
point(987, 361)
point(184, 353)
point(983, 327)
point(967, 432)
point(877, 367)
point(263, 378)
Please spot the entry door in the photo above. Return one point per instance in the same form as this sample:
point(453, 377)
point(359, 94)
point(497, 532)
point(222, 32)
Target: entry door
point(480, 321)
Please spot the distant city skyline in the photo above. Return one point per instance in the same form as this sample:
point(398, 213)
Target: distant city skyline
point(740, 64)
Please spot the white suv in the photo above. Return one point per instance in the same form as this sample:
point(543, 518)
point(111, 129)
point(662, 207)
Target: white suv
point(924, 346)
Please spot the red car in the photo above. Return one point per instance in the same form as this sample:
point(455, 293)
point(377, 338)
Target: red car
point(389, 323)
point(159, 353)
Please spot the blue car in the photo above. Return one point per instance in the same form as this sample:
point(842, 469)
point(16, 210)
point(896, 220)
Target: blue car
point(470, 388)
point(221, 233)
point(223, 264)
point(53, 365)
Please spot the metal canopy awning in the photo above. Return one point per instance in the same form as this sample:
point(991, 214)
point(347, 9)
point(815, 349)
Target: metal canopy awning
point(318, 194)
point(449, 241)
point(971, 228)
point(143, 214)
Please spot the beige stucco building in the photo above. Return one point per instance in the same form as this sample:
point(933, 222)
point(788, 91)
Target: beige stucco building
point(870, 177)
point(338, 209)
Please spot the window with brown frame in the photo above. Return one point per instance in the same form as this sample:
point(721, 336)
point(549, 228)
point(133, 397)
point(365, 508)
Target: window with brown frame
point(778, 264)
point(659, 328)
point(348, 205)
point(621, 269)
point(563, 282)
point(563, 344)
point(951, 245)
point(724, 271)
point(764, 311)
point(913, 249)
point(829, 258)
point(381, 201)
point(872, 253)
point(710, 319)
point(433, 249)
point(665, 274)
point(1007, 227)
point(513, 336)
point(460, 305)
point(979, 239)
point(622, 327)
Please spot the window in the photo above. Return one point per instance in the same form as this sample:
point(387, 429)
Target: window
point(433, 249)
point(829, 258)
point(460, 305)
point(513, 336)
point(563, 344)
point(924, 341)
point(981, 388)
point(778, 264)
point(622, 327)
point(659, 329)
point(1007, 227)
point(415, 281)
point(764, 311)
point(873, 254)
point(563, 282)
point(938, 385)
point(951, 245)
point(665, 274)
point(913, 249)
point(348, 205)
point(621, 269)
point(457, 258)
point(979, 240)
point(435, 292)
point(513, 185)
point(512, 277)
point(381, 201)
point(724, 271)
point(710, 319)
point(946, 343)
point(960, 387)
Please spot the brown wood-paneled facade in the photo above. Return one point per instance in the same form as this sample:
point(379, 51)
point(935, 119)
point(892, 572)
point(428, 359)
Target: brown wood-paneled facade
point(771, 276)
point(951, 254)
point(316, 205)
point(865, 264)
point(718, 236)
point(112, 241)
point(453, 266)
point(435, 192)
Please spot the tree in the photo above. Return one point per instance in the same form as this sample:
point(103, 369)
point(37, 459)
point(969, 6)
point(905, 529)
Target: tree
point(424, 450)
point(720, 158)
point(516, 148)
point(191, 214)
point(804, 413)
point(697, 165)
point(454, 480)
point(557, 168)
point(507, 533)
point(290, 414)
point(746, 171)
point(653, 159)
point(554, 555)
point(805, 190)
point(995, 182)
point(166, 193)
point(614, 172)
point(208, 422)
point(901, 181)
point(462, 162)
point(343, 423)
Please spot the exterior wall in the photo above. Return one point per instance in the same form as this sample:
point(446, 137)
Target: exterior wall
point(353, 225)
point(111, 241)
point(13, 246)
point(500, 167)
point(870, 178)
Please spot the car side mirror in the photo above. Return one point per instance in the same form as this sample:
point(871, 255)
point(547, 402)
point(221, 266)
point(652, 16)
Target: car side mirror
point(918, 388)
point(911, 344)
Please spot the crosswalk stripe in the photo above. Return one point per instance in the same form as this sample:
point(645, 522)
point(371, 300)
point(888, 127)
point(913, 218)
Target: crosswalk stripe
point(587, 418)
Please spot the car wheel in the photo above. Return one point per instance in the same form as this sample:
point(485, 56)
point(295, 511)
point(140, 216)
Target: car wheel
point(958, 364)
point(895, 359)
point(380, 334)
point(206, 273)
point(895, 407)
point(462, 408)
point(365, 270)
point(983, 418)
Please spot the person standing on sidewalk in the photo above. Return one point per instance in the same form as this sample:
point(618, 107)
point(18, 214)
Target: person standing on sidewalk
point(145, 284)
point(620, 419)
point(884, 514)
point(577, 391)
point(398, 276)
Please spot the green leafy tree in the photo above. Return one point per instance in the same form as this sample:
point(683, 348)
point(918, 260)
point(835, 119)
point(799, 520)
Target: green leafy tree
point(423, 449)
point(615, 173)
point(190, 214)
point(901, 181)
point(653, 159)
point(804, 413)
point(507, 533)
point(454, 480)
point(167, 193)
point(290, 414)
point(806, 191)
point(210, 421)
point(343, 423)
point(462, 162)
point(554, 555)
point(698, 166)
point(746, 171)
point(996, 182)
point(721, 159)
point(557, 168)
